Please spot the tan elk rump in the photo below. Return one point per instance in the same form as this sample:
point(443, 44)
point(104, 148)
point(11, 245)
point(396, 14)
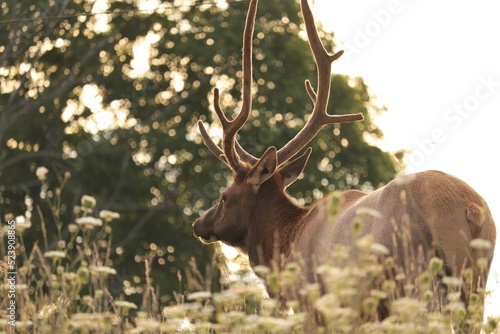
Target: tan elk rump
point(415, 216)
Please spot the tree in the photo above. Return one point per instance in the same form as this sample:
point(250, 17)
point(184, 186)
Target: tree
point(75, 96)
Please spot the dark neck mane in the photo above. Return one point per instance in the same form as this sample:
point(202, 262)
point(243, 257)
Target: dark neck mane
point(273, 228)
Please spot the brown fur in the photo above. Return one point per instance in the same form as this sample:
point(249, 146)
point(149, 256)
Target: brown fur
point(425, 212)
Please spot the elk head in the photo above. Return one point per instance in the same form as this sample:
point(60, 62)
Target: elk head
point(259, 184)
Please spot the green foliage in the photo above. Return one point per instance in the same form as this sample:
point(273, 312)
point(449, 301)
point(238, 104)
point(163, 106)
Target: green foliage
point(74, 98)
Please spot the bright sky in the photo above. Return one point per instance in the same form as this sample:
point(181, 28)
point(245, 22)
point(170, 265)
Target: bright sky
point(436, 66)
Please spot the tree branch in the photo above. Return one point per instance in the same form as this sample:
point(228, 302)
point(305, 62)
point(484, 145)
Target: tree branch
point(29, 155)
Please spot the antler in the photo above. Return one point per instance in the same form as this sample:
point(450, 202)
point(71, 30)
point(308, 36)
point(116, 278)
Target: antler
point(244, 155)
point(231, 150)
point(232, 153)
point(319, 115)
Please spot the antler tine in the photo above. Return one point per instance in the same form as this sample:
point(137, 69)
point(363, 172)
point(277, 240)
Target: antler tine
point(210, 143)
point(319, 116)
point(232, 153)
point(219, 153)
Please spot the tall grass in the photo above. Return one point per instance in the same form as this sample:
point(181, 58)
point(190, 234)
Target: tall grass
point(67, 290)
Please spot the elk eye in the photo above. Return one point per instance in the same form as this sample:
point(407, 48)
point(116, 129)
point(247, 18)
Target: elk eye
point(223, 198)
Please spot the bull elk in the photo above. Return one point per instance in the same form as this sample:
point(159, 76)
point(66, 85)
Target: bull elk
point(440, 213)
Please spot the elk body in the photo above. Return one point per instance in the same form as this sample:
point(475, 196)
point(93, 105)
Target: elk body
point(425, 214)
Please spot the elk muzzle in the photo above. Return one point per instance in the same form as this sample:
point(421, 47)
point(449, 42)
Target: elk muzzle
point(203, 227)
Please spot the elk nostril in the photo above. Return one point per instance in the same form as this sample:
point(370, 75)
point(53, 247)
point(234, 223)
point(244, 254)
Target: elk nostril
point(207, 238)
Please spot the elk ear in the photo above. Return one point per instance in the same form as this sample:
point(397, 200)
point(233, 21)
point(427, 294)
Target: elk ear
point(264, 168)
point(291, 171)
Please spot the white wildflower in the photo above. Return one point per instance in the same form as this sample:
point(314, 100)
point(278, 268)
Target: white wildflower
point(89, 222)
point(268, 306)
point(365, 243)
point(125, 304)
point(379, 249)
point(482, 263)
point(452, 281)
point(410, 306)
point(41, 173)
point(72, 228)
point(104, 270)
point(174, 311)
point(55, 254)
point(234, 317)
point(247, 291)
point(261, 270)
point(199, 295)
point(454, 306)
point(454, 296)
point(378, 294)
point(22, 224)
point(325, 304)
point(23, 324)
point(70, 277)
point(88, 202)
point(480, 244)
point(108, 216)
